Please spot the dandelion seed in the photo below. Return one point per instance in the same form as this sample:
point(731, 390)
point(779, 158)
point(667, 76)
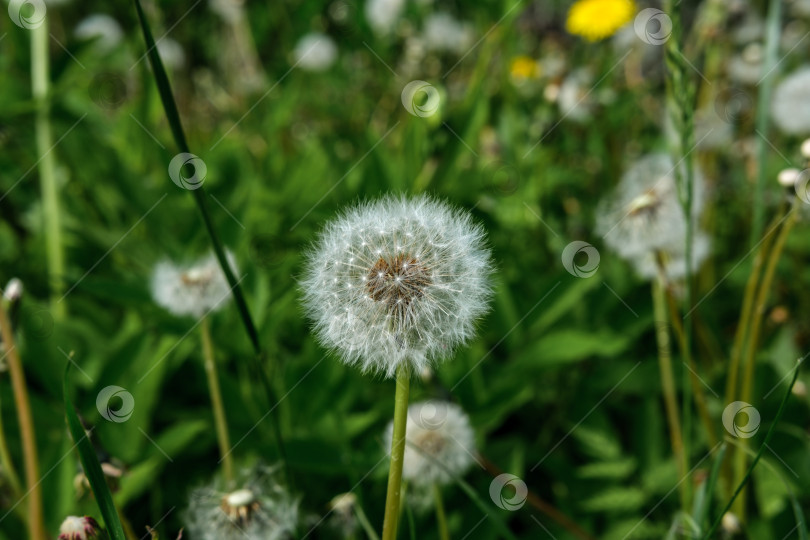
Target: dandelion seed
point(644, 213)
point(101, 27)
point(191, 290)
point(260, 509)
point(790, 106)
point(78, 528)
point(397, 281)
point(598, 19)
point(315, 52)
point(440, 443)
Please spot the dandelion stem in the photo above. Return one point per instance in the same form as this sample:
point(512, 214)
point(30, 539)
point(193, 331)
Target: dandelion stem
point(36, 525)
point(220, 420)
point(7, 465)
point(392, 498)
point(363, 519)
point(753, 342)
point(667, 379)
point(54, 251)
point(444, 534)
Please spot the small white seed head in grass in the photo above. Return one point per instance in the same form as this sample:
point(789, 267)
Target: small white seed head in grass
point(673, 258)
point(259, 508)
point(790, 105)
point(805, 149)
point(315, 52)
point(440, 443)
point(787, 177)
point(192, 290)
point(644, 213)
point(78, 528)
point(397, 280)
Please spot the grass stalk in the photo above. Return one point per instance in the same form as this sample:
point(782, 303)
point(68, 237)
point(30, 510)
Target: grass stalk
point(36, 524)
point(744, 481)
point(668, 380)
point(220, 420)
point(40, 89)
point(753, 343)
point(392, 499)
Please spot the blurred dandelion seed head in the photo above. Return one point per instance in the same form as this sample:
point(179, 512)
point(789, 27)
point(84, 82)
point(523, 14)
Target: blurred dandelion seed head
point(450, 442)
point(598, 19)
point(191, 290)
point(260, 508)
point(397, 280)
point(315, 52)
point(78, 528)
point(644, 213)
point(790, 106)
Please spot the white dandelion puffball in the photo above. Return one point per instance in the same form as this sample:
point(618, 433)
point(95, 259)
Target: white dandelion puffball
point(440, 444)
point(193, 290)
point(644, 213)
point(315, 52)
point(444, 33)
point(171, 53)
point(673, 258)
point(397, 280)
point(101, 27)
point(383, 15)
point(259, 509)
point(790, 106)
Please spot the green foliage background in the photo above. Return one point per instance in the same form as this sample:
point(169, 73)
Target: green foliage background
point(564, 371)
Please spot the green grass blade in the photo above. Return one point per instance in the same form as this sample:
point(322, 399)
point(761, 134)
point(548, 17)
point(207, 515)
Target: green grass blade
point(703, 502)
point(762, 447)
point(169, 106)
point(92, 468)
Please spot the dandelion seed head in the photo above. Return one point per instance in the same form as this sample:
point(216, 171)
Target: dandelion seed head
point(192, 290)
point(383, 15)
point(259, 509)
point(436, 431)
point(397, 280)
point(315, 52)
point(673, 258)
point(78, 528)
point(101, 27)
point(644, 213)
point(443, 32)
point(790, 106)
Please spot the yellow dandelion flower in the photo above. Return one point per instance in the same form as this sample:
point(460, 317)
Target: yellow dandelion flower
point(598, 19)
point(524, 67)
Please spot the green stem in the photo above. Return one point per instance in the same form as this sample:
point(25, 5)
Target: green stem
point(444, 533)
point(40, 87)
point(763, 113)
point(392, 498)
point(36, 524)
point(753, 342)
point(762, 448)
point(220, 420)
point(364, 522)
point(5, 462)
point(667, 379)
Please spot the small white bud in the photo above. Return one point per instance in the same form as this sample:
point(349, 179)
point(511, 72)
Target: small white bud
point(806, 149)
point(788, 177)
